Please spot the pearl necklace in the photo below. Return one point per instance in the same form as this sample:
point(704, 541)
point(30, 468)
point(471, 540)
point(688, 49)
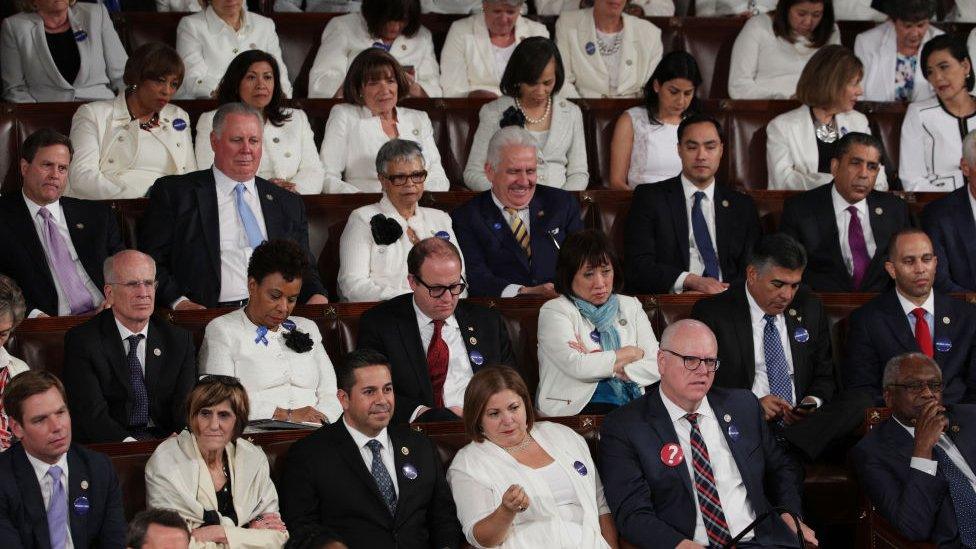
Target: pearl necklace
point(521, 445)
point(542, 118)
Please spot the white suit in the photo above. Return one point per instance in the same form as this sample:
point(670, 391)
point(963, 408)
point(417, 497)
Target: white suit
point(652, 8)
point(878, 50)
point(856, 10)
point(931, 147)
point(713, 8)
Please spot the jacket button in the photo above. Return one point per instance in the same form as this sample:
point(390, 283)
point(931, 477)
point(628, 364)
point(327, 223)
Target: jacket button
point(629, 62)
point(121, 138)
point(276, 140)
point(287, 155)
point(111, 161)
point(178, 145)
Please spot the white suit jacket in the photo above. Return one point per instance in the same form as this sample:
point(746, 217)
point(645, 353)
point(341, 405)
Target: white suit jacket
point(467, 59)
point(106, 143)
point(346, 35)
point(963, 12)
point(15, 365)
point(289, 151)
point(640, 53)
point(931, 147)
point(712, 8)
point(791, 149)
point(353, 136)
point(332, 6)
point(29, 74)
point(207, 45)
point(180, 5)
point(568, 378)
point(971, 43)
point(562, 160)
point(652, 8)
point(878, 50)
point(856, 10)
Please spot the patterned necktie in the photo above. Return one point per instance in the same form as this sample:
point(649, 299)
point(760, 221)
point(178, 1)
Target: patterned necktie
point(382, 476)
point(859, 249)
point(962, 494)
point(79, 298)
point(251, 226)
point(139, 414)
point(703, 239)
point(777, 368)
point(922, 333)
point(57, 510)
point(519, 230)
point(437, 358)
point(4, 420)
point(708, 501)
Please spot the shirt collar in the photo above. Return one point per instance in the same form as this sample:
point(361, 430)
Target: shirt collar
point(841, 205)
point(215, 23)
point(423, 320)
point(908, 306)
point(41, 467)
point(125, 332)
point(755, 311)
point(361, 439)
point(690, 189)
point(226, 185)
point(33, 208)
point(501, 207)
point(677, 413)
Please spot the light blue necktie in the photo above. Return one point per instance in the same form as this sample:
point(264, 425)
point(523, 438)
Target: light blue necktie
point(703, 240)
point(777, 369)
point(57, 510)
point(251, 225)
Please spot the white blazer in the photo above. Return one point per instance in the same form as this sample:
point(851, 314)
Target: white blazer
point(373, 272)
point(346, 35)
point(274, 375)
point(652, 8)
point(331, 6)
point(207, 45)
point(29, 74)
point(791, 149)
point(180, 5)
point(467, 58)
point(713, 8)
point(971, 44)
point(15, 365)
point(878, 50)
point(782, 62)
point(482, 471)
point(106, 143)
point(562, 161)
point(641, 51)
point(856, 10)
point(289, 151)
point(568, 378)
point(353, 136)
point(931, 147)
point(963, 12)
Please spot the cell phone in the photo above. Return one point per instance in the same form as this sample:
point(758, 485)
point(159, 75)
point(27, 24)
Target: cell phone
point(805, 406)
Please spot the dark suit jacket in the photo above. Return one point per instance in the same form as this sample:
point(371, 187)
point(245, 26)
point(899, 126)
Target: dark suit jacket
point(327, 493)
point(23, 518)
point(949, 223)
point(96, 378)
point(880, 330)
point(492, 257)
point(181, 231)
point(654, 505)
point(656, 238)
point(914, 502)
point(809, 218)
point(391, 328)
point(94, 232)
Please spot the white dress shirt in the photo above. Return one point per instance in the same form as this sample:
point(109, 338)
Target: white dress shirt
point(931, 466)
point(57, 214)
point(843, 220)
point(235, 251)
point(931, 145)
point(47, 484)
point(512, 289)
point(386, 451)
point(728, 480)
point(760, 385)
point(928, 305)
point(459, 370)
point(696, 264)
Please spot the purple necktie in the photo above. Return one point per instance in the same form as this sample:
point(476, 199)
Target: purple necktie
point(79, 298)
point(859, 249)
point(57, 510)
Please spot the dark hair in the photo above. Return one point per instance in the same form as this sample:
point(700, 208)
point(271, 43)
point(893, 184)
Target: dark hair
point(44, 137)
point(893, 243)
point(677, 64)
point(277, 256)
point(527, 63)
point(821, 34)
point(369, 65)
point(151, 61)
point(591, 247)
point(845, 143)
point(12, 300)
point(229, 90)
point(354, 360)
point(483, 385)
point(379, 12)
point(700, 118)
point(910, 11)
point(428, 247)
point(26, 385)
point(780, 250)
point(140, 524)
point(956, 47)
point(211, 390)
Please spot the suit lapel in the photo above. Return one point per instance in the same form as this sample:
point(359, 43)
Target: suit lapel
point(898, 322)
point(155, 359)
point(23, 227)
point(660, 421)
point(679, 215)
point(743, 332)
point(499, 228)
point(80, 230)
point(42, 53)
point(828, 231)
point(85, 54)
point(543, 247)
point(882, 230)
point(469, 334)
point(963, 222)
point(945, 326)
point(30, 495)
point(413, 345)
point(801, 374)
point(275, 224)
point(78, 474)
point(115, 352)
point(354, 459)
point(405, 485)
point(723, 225)
point(206, 193)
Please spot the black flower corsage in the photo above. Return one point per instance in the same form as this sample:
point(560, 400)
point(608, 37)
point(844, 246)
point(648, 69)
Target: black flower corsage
point(296, 340)
point(512, 117)
point(385, 230)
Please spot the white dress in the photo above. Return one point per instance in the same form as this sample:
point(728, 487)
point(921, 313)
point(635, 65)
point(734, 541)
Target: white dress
point(654, 155)
point(931, 146)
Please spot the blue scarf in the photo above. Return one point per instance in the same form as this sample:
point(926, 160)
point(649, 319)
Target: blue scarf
point(604, 317)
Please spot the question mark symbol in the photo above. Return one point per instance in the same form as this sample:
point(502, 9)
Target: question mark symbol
point(674, 452)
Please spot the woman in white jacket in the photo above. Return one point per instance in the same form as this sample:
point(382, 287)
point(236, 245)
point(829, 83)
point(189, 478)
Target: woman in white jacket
point(289, 158)
point(800, 143)
point(597, 350)
point(650, 8)
point(12, 311)
point(123, 145)
point(771, 50)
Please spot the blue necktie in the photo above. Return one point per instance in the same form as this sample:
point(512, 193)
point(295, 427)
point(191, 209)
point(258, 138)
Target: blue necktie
point(139, 414)
point(57, 510)
point(382, 476)
point(777, 369)
point(703, 240)
point(113, 6)
point(251, 226)
point(963, 497)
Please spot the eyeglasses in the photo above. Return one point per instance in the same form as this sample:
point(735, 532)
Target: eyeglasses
point(398, 180)
point(438, 291)
point(918, 387)
point(213, 379)
point(136, 284)
point(693, 362)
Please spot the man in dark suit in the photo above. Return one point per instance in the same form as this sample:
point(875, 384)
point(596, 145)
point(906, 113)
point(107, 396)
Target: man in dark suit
point(202, 227)
point(686, 464)
point(434, 341)
point(688, 232)
point(510, 234)
point(917, 466)
point(951, 224)
point(913, 318)
point(363, 483)
point(60, 272)
point(51, 489)
point(127, 373)
point(846, 251)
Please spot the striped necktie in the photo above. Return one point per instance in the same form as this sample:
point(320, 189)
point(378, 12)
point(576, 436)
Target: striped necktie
point(708, 501)
point(519, 230)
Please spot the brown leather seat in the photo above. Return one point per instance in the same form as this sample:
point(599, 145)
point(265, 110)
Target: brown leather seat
point(138, 28)
point(9, 150)
point(299, 35)
point(709, 40)
point(40, 342)
point(459, 122)
point(747, 137)
point(885, 120)
point(599, 120)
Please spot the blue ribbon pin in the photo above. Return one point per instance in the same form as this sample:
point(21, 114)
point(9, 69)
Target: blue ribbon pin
point(801, 335)
point(943, 344)
point(262, 332)
point(580, 468)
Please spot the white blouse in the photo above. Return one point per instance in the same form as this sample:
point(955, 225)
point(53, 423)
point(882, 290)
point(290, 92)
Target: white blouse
point(654, 155)
point(353, 136)
point(931, 146)
point(782, 62)
point(274, 375)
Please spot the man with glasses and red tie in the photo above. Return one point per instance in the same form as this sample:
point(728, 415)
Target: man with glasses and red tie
point(434, 341)
point(685, 465)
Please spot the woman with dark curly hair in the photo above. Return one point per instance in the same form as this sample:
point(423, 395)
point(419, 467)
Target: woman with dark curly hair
point(279, 359)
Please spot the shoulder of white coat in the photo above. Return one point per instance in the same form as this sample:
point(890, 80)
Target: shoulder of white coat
point(193, 21)
point(762, 24)
point(173, 111)
point(557, 432)
point(439, 217)
point(366, 212)
point(306, 325)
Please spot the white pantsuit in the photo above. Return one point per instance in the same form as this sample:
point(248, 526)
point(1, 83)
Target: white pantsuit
point(878, 51)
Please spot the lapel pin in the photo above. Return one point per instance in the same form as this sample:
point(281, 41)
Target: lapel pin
point(81, 506)
point(541, 213)
point(590, 48)
point(473, 340)
point(725, 203)
point(671, 455)
point(80, 226)
point(954, 428)
point(275, 140)
point(792, 312)
point(497, 226)
point(179, 125)
point(733, 432)
point(623, 321)
point(878, 210)
point(157, 352)
point(254, 46)
point(405, 451)
point(470, 328)
point(84, 485)
point(269, 197)
point(416, 131)
point(580, 468)
point(799, 319)
point(801, 335)
point(727, 418)
point(943, 344)
point(403, 47)
point(476, 358)
point(945, 320)
point(409, 471)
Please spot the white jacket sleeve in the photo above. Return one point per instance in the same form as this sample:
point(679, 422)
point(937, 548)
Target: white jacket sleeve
point(204, 152)
point(971, 44)
point(199, 80)
point(15, 87)
point(577, 174)
point(113, 52)
point(85, 178)
point(781, 165)
point(912, 169)
point(329, 68)
point(429, 72)
point(474, 171)
point(454, 69)
point(744, 64)
point(355, 253)
point(656, 8)
point(553, 7)
point(644, 372)
point(333, 155)
point(310, 178)
point(556, 331)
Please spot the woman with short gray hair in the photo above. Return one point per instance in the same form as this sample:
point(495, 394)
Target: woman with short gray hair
point(12, 309)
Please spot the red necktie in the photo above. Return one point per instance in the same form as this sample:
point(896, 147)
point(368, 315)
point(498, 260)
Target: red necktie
point(437, 357)
point(922, 334)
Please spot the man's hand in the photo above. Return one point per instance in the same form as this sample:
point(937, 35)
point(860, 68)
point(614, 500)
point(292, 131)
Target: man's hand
point(187, 305)
point(774, 407)
point(796, 415)
point(809, 536)
point(704, 284)
point(929, 426)
point(317, 299)
point(546, 290)
point(287, 185)
point(688, 544)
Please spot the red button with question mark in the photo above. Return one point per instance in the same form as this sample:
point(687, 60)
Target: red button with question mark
point(671, 455)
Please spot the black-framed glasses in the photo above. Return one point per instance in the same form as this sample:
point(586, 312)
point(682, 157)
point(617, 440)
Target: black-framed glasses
point(397, 179)
point(693, 362)
point(438, 291)
point(211, 379)
point(917, 387)
point(136, 284)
